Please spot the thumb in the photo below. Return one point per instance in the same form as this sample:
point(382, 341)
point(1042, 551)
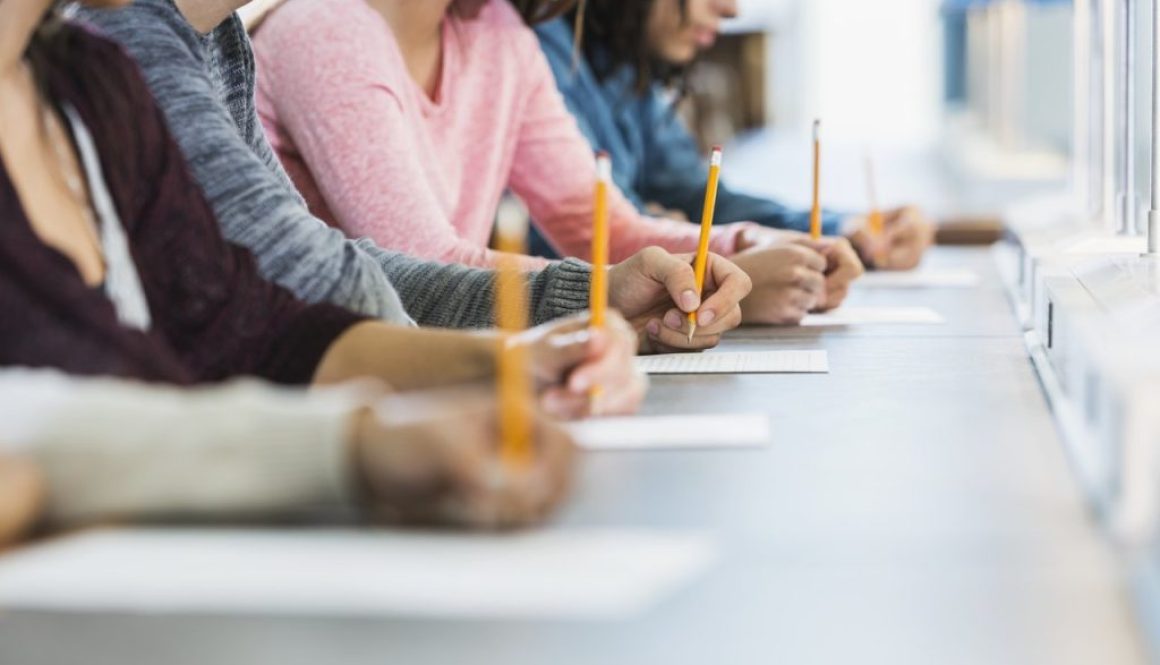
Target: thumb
point(560, 353)
point(677, 276)
point(812, 258)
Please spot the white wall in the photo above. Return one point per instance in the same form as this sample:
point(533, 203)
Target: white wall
point(871, 69)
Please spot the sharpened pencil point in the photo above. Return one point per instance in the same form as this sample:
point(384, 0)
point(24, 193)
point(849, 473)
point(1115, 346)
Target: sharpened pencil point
point(692, 331)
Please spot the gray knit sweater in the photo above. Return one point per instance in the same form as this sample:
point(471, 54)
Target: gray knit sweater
point(205, 85)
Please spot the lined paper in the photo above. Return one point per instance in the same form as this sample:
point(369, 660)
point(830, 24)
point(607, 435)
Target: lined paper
point(584, 574)
point(919, 279)
point(748, 362)
point(858, 316)
point(673, 432)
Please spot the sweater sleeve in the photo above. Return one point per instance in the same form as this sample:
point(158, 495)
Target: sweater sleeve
point(209, 301)
point(117, 449)
point(352, 131)
point(466, 297)
point(253, 206)
point(259, 209)
point(553, 173)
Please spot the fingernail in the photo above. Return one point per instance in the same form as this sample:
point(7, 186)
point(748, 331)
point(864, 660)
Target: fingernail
point(673, 321)
point(689, 300)
point(653, 328)
point(580, 383)
point(706, 317)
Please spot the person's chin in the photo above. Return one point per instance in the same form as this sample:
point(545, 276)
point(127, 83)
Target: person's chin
point(681, 56)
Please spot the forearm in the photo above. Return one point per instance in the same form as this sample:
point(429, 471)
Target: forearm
point(407, 358)
point(111, 449)
point(443, 295)
point(252, 199)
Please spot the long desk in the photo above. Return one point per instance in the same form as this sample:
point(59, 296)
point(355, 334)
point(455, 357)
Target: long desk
point(916, 507)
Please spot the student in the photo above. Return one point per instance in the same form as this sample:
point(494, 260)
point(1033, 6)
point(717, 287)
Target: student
point(111, 262)
point(411, 141)
point(620, 88)
point(89, 450)
point(198, 62)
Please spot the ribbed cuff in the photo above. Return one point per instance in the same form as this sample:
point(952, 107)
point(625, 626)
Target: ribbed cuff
point(562, 289)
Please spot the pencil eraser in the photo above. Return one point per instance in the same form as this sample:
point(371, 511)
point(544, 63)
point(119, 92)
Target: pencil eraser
point(603, 166)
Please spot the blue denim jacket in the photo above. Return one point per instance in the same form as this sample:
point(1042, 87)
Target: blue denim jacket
point(655, 158)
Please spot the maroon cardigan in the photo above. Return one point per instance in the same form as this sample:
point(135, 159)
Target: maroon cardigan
point(214, 316)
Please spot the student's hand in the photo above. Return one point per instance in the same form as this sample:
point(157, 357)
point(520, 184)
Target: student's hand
point(842, 263)
point(763, 237)
point(789, 281)
point(907, 234)
point(568, 358)
point(21, 498)
point(843, 267)
point(655, 290)
point(434, 460)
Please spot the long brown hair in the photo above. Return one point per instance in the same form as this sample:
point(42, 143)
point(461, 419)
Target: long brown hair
point(540, 11)
point(46, 48)
point(615, 34)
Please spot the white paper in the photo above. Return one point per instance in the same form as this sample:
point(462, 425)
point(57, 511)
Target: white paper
point(750, 362)
point(919, 279)
point(673, 432)
point(857, 316)
point(545, 575)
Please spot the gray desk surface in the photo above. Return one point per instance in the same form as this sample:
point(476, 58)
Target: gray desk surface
point(915, 507)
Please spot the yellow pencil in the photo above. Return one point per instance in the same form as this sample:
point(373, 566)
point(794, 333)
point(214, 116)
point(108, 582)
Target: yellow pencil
point(514, 379)
point(875, 221)
point(598, 300)
point(816, 209)
point(701, 263)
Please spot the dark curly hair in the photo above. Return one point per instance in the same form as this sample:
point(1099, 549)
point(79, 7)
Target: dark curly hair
point(614, 33)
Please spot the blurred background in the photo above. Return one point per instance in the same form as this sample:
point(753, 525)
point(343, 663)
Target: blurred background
point(965, 105)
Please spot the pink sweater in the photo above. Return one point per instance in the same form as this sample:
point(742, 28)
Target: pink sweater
point(376, 157)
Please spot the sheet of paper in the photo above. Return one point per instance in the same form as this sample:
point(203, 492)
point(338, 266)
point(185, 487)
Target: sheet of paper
point(673, 432)
point(588, 574)
point(749, 362)
point(857, 316)
point(919, 279)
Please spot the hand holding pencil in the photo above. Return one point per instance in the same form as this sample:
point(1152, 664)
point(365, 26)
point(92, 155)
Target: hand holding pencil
point(701, 260)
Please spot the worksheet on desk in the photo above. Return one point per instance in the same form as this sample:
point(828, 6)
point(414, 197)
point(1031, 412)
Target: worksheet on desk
point(680, 432)
point(921, 278)
point(860, 316)
point(747, 362)
point(566, 574)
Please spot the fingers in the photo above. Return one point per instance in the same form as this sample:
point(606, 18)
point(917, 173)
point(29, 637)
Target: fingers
point(726, 285)
point(811, 259)
point(674, 335)
point(621, 386)
point(908, 234)
point(675, 273)
point(501, 497)
point(809, 281)
point(557, 354)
